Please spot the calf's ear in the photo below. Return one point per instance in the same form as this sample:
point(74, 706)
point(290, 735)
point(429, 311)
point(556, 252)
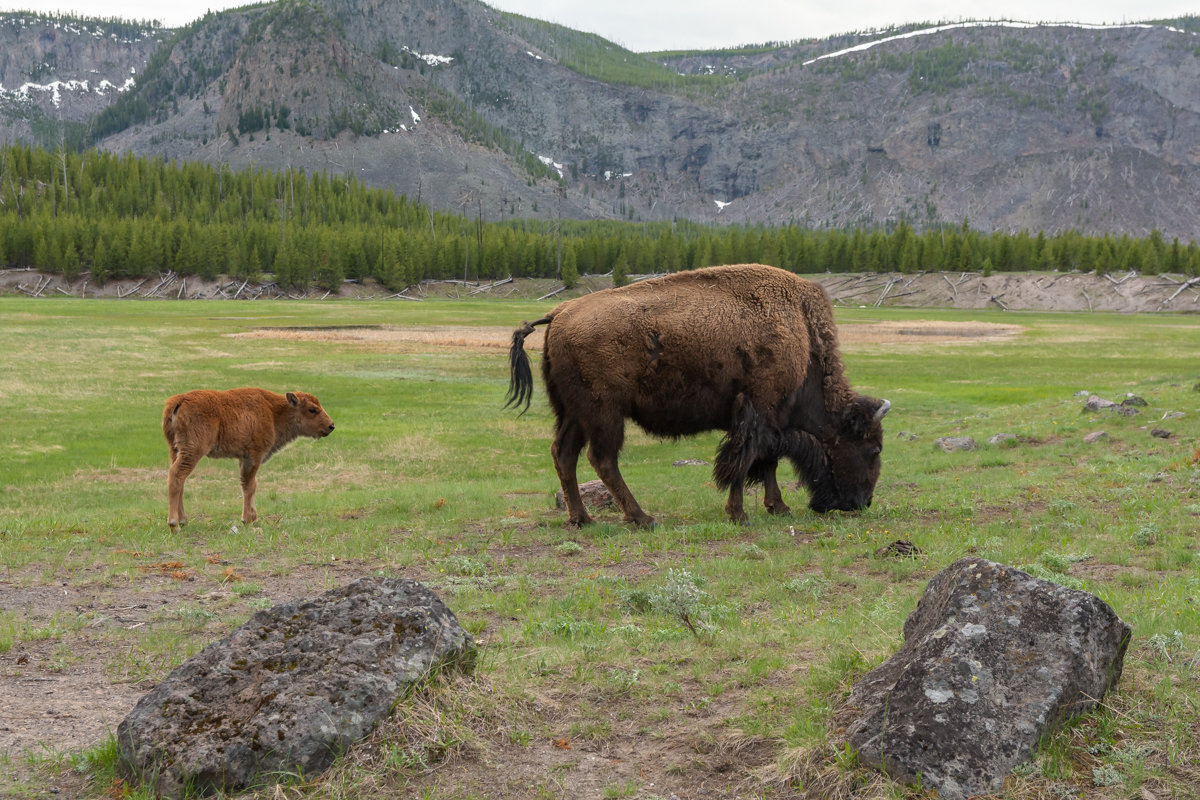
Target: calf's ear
point(295, 401)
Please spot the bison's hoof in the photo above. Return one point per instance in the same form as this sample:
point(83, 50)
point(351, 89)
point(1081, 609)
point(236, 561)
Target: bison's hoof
point(779, 511)
point(644, 521)
point(579, 523)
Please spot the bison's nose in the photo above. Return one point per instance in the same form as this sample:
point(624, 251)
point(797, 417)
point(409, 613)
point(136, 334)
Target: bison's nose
point(331, 427)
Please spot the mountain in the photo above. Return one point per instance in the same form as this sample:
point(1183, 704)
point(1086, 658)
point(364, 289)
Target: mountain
point(1008, 125)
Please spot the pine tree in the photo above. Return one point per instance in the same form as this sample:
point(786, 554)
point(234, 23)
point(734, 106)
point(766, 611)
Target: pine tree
point(70, 262)
point(620, 273)
point(101, 270)
point(570, 269)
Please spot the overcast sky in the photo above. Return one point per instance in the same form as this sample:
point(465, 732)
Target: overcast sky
point(643, 25)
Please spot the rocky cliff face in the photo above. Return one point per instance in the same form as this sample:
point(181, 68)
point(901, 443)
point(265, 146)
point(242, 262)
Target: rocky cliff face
point(53, 70)
point(1010, 127)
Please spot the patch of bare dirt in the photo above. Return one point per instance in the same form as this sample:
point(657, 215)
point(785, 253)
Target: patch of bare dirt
point(919, 332)
point(79, 669)
point(391, 336)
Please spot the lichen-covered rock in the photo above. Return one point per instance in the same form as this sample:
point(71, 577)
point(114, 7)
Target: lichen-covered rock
point(993, 659)
point(1097, 403)
point(951, 444)
point(291, 689)
point(593, 493)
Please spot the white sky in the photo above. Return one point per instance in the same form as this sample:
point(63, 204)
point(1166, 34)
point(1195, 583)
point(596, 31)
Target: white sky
point(643, 25)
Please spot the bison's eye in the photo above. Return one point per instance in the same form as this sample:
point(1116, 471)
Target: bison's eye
point(312, 411)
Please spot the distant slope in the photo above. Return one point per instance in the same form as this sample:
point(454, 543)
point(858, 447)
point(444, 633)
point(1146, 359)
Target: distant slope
point(1008, 125)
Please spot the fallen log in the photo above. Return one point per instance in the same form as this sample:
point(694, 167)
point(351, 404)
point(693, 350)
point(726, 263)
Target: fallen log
point(556, 291)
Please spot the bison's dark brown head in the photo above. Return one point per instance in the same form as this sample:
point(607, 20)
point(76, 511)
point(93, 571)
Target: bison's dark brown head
point(841, 465)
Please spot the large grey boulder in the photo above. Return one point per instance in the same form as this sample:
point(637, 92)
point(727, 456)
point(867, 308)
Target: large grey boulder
point(992, 660)
point(289, 690)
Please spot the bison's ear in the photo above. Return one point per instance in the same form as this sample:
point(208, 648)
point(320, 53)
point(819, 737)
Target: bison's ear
point(295, 401)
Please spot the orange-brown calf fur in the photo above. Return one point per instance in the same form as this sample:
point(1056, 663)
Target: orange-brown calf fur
point(248, 424)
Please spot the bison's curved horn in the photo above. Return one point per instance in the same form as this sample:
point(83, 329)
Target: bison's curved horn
point(883, 409)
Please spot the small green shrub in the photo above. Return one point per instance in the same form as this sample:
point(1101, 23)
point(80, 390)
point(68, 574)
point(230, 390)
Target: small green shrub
point(681, 598)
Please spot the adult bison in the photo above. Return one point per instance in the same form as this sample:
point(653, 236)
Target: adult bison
point(248, 424)
point(747, 349)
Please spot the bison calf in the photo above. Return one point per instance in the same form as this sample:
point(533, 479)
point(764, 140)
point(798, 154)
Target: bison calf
point(248, 424)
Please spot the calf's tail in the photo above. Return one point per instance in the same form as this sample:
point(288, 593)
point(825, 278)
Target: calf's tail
point(520, 380)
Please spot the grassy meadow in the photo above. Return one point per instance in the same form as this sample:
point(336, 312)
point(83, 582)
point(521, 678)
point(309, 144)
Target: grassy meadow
point(699, 658)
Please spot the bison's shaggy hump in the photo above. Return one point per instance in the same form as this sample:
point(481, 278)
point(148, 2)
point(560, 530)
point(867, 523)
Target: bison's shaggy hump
point(748, 349)
point(248, 424)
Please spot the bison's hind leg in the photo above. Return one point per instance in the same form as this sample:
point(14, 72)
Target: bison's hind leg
point(569, 439)
point(606, 437)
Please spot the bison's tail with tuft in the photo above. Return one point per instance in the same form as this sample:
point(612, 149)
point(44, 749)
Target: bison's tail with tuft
point(520, 381)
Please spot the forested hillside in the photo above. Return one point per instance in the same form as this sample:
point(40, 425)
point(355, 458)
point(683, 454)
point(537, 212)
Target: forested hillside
point(123, 216)
point(1011, 125)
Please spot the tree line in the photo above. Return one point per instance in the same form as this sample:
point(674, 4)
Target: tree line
point(121, 216)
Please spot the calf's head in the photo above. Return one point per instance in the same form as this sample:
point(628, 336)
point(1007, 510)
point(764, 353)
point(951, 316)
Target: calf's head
point(841, 465)
point(311, 419)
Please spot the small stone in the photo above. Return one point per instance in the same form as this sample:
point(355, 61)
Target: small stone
point(593, 493)
point(1097, 436)
point(1160, 433)
point(901, 548)
point(690, 462)
point(1096, 403)
point(1001, 438)
point(950, 444)
point(907, 436)
point(1133, 400)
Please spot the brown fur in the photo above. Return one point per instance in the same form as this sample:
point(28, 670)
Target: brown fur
point(248, 424)
point(748, 349)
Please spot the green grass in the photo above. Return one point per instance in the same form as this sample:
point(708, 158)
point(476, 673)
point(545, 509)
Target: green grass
point(586, 642)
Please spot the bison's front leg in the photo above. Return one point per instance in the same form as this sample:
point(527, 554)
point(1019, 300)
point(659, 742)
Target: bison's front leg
point(772, 496)
point(734, 506)
point(249, 485)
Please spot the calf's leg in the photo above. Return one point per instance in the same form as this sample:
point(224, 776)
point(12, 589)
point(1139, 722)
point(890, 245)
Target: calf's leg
point(182, 465)
point(249, 484)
